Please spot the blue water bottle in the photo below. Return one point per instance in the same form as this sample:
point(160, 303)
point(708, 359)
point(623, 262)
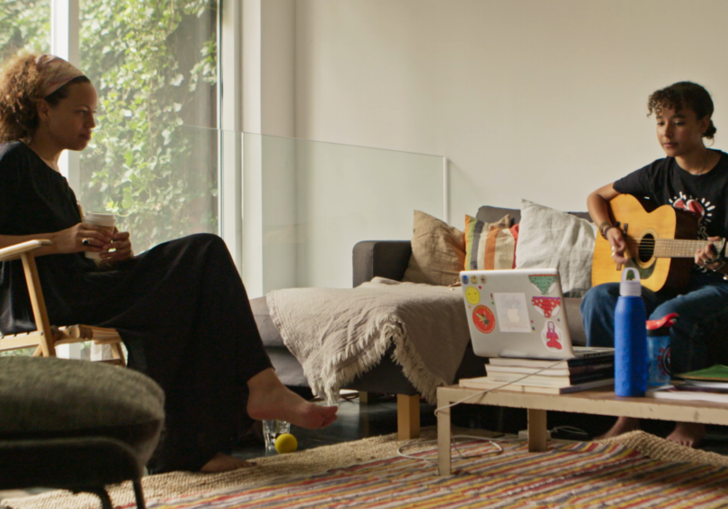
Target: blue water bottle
point(630, 337)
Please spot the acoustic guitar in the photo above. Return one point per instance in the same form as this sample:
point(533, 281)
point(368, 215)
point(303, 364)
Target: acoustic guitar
point(660, 244)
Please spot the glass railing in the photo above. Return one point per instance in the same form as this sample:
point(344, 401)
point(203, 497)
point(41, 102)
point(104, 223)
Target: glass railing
point(290, 210)
point(306, 204)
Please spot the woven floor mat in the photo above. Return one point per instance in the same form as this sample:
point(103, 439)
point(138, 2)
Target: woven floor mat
point(318, 460)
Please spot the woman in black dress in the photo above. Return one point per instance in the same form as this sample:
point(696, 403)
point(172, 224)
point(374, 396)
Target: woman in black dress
point(180, 308)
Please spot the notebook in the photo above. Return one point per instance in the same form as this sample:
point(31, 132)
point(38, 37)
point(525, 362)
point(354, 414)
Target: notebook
point(519, 313)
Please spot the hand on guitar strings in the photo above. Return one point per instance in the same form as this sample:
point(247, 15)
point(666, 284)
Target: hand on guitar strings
point(616, 240)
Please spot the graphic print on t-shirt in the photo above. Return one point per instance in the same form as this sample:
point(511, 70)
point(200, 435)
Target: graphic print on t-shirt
point(702, 208)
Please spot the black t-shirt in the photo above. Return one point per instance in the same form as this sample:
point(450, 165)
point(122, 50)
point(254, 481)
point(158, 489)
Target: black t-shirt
point(663, 182)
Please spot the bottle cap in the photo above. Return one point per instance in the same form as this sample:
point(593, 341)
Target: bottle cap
point(630, 285)
point(662, 326)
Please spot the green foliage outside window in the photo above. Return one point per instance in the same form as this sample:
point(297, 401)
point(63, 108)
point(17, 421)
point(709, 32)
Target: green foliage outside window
point(24, 25)
point(157, 175)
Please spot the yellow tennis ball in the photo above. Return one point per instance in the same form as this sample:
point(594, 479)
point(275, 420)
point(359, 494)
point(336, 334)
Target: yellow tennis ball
point(286, 443)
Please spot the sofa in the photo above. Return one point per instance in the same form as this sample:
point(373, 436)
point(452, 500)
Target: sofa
point(393, 259)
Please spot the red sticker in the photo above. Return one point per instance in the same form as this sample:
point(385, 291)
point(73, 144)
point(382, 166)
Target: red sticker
point(484, 319)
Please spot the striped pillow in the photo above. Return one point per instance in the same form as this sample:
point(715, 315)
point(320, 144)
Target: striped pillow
point(490, 245)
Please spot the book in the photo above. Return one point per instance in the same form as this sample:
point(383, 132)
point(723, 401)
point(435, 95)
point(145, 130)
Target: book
point(717, 372)
point(567, 371)
point(482, 383)
point(713, 386)
point(549, 381)
point(607, 355)
point(687, 393)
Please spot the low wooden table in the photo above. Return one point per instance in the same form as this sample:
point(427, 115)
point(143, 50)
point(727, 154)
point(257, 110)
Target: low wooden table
point(599, 402)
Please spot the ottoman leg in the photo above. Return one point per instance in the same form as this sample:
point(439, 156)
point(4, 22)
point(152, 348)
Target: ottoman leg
point(408, 416)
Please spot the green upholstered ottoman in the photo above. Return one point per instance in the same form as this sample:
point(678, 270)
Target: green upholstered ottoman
point(75, 424)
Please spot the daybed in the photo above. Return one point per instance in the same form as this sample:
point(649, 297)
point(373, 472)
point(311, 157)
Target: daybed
point(391, 259)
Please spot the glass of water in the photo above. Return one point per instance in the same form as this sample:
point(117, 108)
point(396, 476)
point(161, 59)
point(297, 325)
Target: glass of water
point(272, 430)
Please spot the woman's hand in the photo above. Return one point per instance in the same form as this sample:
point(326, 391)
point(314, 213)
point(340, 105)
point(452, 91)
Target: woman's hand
point(707, 257)
point(616, 240)
point(80, 237)
point(121, 245)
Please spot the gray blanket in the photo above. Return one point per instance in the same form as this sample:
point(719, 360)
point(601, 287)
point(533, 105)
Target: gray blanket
point(337, 334)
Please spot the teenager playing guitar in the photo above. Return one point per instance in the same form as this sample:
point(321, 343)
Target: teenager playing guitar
point(694, 178)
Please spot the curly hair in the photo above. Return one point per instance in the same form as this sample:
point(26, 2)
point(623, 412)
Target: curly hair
point(19, 95)
point(681, 95)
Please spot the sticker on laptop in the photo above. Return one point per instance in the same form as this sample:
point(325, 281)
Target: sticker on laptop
point(544, 283)
point(551, 335)
point(547, 306)
point(472, 295)
point(484, 319)
point(512, 312)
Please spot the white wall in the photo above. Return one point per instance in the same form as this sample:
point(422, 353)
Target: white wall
point(536, 99)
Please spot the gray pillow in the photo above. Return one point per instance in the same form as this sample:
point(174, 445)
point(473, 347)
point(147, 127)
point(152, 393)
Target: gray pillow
point(47, 397)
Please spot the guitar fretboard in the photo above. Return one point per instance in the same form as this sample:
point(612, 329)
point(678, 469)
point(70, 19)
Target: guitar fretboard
point(666, 248)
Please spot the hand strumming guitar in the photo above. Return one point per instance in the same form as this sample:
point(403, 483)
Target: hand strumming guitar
point(616, 240)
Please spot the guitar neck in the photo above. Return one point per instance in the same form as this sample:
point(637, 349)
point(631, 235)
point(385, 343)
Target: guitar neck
point(671, 248)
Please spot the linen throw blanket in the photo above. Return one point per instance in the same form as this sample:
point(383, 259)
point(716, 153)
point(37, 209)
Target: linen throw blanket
point(337, 334)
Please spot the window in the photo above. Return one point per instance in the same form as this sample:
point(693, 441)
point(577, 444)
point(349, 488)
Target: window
point(154, 65)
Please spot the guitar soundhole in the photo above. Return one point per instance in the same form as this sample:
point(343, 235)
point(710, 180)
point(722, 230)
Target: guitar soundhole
point(647, 248)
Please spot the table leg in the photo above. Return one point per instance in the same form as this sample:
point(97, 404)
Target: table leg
point(443, 437)
point(537, 432)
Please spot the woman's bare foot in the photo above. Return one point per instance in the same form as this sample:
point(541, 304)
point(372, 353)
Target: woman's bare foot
point(224, 463)
point(623, 425)
point(689, 434)
point(270, 399)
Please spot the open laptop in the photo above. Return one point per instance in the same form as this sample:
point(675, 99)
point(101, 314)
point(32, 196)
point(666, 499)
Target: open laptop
point(519, 313)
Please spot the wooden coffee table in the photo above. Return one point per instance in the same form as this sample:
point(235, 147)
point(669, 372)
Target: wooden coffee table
point(599, 402)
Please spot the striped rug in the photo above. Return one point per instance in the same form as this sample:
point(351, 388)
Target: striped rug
point(581, 475)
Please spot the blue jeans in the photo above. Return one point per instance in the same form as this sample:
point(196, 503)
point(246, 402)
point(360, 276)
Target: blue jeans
point(698, 339)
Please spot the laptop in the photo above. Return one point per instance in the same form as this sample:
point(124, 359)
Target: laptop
point(519, 313)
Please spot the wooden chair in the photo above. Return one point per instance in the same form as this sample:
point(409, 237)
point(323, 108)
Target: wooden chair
point(46, 337)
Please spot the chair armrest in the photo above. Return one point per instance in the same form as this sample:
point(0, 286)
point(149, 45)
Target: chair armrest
point(15, 251)
point(383, 258)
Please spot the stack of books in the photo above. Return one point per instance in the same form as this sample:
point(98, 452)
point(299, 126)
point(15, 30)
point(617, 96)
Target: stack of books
point(546, 376)
point(710, 384)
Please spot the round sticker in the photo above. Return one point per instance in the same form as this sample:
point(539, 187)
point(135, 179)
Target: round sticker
point(473, 295)
point(484, 319)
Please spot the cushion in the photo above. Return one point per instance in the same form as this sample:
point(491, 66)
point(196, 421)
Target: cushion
point(269, 333)
point(489, 214)
point(549, 238)
point(438, 252)
point(489, 245)
point(47, 397)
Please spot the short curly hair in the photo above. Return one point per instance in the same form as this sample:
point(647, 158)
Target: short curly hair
point(681, 95)
point(19, 95)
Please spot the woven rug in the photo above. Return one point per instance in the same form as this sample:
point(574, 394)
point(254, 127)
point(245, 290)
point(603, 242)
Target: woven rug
point(635, 470)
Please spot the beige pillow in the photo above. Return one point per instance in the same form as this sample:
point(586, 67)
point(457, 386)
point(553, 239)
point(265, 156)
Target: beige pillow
point(555, 239)
point(438, 252)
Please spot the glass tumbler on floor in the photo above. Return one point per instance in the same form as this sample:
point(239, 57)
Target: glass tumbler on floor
point(272, 430)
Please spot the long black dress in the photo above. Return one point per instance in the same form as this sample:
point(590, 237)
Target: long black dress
point(180, 308)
